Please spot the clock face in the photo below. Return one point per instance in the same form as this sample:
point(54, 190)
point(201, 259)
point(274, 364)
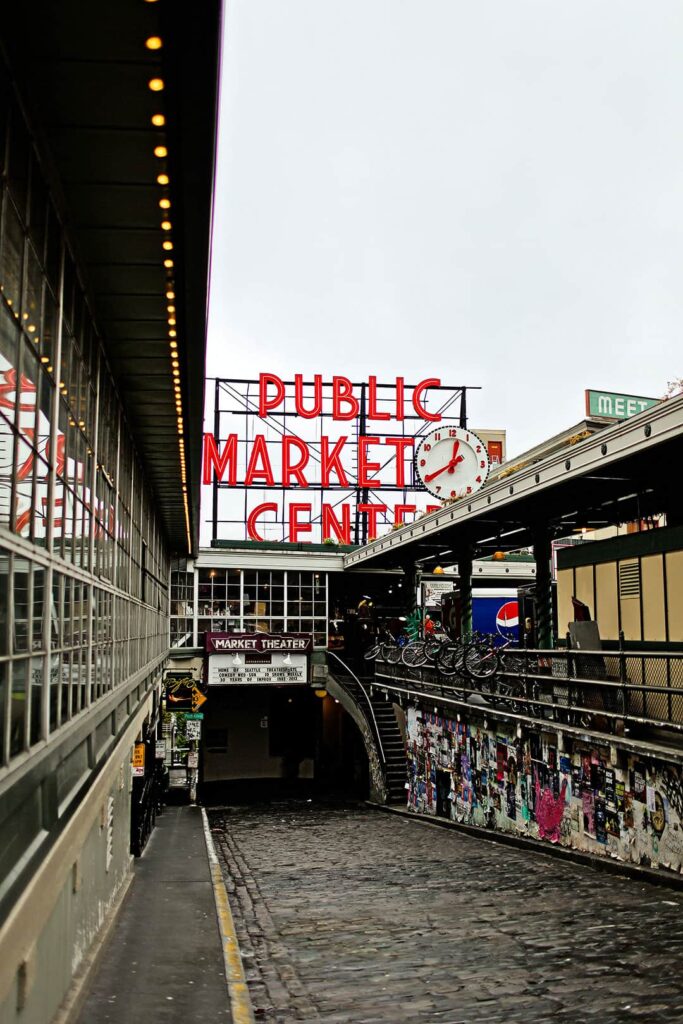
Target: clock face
point(452, 462)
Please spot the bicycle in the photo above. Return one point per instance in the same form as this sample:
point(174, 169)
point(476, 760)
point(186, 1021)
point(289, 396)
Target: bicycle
point(483, 656)
point(419, 652)
point(387, 647)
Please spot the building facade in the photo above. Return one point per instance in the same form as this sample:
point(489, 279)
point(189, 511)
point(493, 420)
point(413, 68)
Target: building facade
point(91, 507)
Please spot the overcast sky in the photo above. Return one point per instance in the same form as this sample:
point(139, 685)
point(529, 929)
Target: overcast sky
point(487, 192)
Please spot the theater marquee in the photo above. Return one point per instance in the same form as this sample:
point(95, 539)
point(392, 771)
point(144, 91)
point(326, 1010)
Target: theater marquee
point(254, 659)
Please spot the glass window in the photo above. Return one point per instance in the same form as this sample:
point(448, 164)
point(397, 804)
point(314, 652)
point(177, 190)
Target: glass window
point(18, 706)
point(5, 590)
point(21, 581)
point(11, 256)
point(4, 668)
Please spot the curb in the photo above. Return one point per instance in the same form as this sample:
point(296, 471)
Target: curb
point(615, 867)
point(240, 1000)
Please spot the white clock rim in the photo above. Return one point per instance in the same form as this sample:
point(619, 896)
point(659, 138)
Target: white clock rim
point(435, 430)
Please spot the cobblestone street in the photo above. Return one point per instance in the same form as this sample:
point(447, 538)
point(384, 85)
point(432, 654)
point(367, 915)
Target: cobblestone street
point(345, 914)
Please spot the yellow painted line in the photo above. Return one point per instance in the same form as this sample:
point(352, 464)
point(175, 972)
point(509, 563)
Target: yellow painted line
point(240, 1001)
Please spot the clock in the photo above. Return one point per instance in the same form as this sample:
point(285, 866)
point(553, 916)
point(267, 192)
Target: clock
point(451, 462)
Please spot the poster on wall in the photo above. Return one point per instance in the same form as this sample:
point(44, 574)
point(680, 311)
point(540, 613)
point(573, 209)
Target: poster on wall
point(248, 659)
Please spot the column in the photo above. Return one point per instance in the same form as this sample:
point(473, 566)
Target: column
point(544, 591)
point(465, 556)
point(410, 576)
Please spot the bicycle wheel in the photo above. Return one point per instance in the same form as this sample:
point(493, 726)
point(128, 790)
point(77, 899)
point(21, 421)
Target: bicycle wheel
point(372, 652)
point(391, 653)
point(480, 661)
point(432, 648)
point(448, 659)
point(413, 654)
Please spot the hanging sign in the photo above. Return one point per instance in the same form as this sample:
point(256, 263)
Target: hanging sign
point(139, 759)
point(247, 659)
point(614, 406)
point(258, 643)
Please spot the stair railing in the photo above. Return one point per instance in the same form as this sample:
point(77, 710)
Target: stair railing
point(368, 701)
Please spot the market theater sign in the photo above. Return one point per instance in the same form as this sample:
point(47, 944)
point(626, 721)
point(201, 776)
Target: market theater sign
point(248, 659)
point(364, 462)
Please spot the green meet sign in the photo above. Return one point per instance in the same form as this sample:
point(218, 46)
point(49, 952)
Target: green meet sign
point(614, 406)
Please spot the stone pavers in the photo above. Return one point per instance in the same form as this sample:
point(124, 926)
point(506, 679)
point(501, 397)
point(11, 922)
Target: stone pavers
point(351, 915)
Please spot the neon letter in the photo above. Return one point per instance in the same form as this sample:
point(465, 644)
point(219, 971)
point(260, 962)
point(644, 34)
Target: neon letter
point(400, 444)
point(331, 523)
point(400, 512)
point(365, 467)
point(342, 392)
point(295, 527)
point(373, 412)
point(265, 472)
point(294, 469)
point(330, 461)
point(265, 404)
point(219, 463)
point(373, 511)
point(418, 390)
point(308, 414)
point(267, 506)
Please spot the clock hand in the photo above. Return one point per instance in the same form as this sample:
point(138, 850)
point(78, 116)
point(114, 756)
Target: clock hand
point(450, 466)
point(456, 445)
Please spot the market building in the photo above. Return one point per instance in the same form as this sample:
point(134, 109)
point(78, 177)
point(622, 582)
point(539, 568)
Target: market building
point(107, 139)
point(579, 741)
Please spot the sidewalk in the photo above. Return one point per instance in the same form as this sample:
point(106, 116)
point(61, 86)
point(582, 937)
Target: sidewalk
point(163, 961)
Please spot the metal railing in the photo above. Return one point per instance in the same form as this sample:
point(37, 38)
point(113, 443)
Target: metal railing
point(370, 713)
point(615, 691)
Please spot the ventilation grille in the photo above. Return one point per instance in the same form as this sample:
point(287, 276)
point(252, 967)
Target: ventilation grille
point(629, 579)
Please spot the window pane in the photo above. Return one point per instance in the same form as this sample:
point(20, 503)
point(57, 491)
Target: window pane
point(38, 604)
point(21, 607)
point(18, 711)
point(36, 692)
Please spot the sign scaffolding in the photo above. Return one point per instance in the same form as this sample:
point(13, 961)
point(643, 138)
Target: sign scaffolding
point(320, 460)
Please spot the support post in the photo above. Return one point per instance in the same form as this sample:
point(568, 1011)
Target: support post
point(465, 558)
point(410, 573)
point(544, 589)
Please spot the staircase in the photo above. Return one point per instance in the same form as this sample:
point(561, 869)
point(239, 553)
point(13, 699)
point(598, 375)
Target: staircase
point(389, 734)
point(394, 750)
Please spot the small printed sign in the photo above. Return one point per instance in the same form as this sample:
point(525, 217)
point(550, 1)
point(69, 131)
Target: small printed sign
point(195, 716)
point(193, 729)
point(139, 759)
point(160, 749)
point(193, 759)
point(198, 699)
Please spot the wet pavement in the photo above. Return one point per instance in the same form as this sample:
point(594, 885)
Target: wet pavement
point(346, 914)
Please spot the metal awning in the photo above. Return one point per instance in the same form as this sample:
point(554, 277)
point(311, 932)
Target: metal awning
point(621, 474)
point(84, 69)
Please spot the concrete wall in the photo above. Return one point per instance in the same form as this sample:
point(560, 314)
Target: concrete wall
point(603, 800)
point(245, 715)
point(48, 935)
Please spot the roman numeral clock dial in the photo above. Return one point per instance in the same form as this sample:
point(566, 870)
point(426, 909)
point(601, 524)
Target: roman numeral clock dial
point(451, 462)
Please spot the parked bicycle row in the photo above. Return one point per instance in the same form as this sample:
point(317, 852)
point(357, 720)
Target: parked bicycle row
point(503, 676)
point(478, 655)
